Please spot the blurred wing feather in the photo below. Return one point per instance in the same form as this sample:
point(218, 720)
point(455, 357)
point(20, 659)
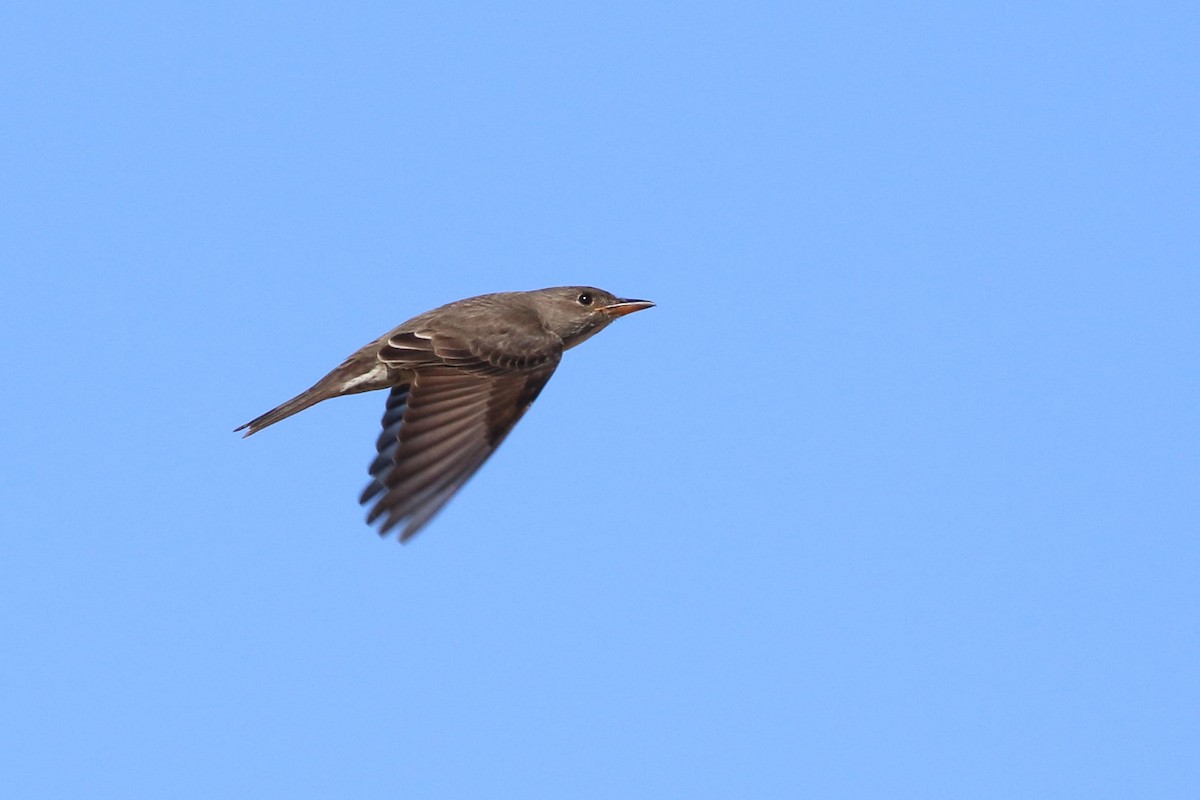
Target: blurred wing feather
point(439, 429)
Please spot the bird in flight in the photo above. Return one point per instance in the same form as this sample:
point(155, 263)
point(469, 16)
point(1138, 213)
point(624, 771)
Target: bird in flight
point(458, 378)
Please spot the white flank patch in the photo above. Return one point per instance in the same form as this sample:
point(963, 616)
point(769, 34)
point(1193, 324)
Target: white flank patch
point(377, 373)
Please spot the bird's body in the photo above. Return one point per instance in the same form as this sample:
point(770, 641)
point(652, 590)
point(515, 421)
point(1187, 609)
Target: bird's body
point(460, 377)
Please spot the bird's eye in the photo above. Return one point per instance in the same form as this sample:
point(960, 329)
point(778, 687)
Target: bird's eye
point(584, 299)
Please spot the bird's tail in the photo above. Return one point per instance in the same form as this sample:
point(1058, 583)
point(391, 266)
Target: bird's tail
point(361, 372)
point(294, 406)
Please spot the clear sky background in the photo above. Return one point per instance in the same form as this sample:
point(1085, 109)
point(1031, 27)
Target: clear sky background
point(894, 494)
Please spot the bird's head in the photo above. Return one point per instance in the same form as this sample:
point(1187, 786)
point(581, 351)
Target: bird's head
point(574, 313)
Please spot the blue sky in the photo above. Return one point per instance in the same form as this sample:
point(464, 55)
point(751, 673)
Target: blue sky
point(894, 494)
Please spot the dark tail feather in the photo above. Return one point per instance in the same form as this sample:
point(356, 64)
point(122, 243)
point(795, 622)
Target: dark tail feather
point(294, 406)
point(360, 372)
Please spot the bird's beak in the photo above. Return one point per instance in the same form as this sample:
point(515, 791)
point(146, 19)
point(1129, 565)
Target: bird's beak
point(623, 307)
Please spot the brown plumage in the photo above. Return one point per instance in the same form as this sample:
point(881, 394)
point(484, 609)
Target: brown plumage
point(460, 377)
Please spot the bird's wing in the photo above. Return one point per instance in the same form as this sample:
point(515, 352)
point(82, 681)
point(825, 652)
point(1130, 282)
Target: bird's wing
point(442, 425)
point(481, 355)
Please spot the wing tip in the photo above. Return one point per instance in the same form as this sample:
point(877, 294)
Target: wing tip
point(385, 528)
